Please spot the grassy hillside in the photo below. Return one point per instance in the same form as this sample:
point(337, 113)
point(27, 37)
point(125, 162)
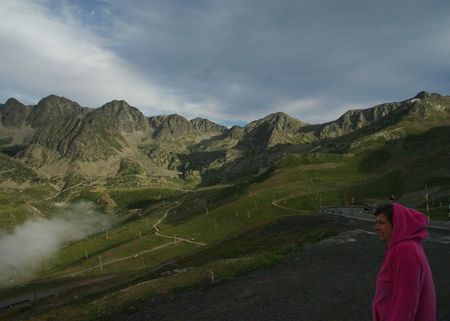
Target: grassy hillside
point(168, 238)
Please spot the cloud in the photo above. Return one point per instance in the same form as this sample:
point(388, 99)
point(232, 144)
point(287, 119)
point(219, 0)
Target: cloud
point(227, 60)
point(248, 56)
point(36, 241)
point(46, 53)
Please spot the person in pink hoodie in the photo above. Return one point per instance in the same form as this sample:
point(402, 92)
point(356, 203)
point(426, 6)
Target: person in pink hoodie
point(404, 289)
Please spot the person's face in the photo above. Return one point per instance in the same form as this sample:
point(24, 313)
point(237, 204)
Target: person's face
point(383, 228)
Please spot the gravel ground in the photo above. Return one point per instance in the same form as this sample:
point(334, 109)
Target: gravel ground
point(328, 281)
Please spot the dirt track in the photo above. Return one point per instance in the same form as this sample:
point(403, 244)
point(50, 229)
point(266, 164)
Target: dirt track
point(328, 281)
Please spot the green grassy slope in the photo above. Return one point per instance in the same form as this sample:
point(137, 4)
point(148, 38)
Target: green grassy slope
point(232, 229)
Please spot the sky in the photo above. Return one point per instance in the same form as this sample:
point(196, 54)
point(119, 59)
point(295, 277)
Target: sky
point(230, 61)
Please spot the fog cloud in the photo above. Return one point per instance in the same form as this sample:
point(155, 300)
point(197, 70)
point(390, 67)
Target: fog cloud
point(37, 240)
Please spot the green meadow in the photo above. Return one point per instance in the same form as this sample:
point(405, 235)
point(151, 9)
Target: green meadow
point(221, 230)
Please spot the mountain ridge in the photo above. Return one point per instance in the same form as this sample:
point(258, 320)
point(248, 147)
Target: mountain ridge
point(59, 131)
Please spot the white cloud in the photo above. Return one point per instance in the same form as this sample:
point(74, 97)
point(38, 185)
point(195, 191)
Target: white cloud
point(36, 241)
point(44, 53)
point(224, 60)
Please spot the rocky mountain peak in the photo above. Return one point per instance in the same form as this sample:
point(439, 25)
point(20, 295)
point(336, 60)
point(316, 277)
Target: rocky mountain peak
point(274, 129)
point(13, 113)
point(117, 105)
point(119, 115)
point(53, 109)
point(13, 102)
point(171, 127)
point(207, 126)
point(355, 119)
point(423, 94)
point(235, 132)
point(277, 121)
point(56, 102)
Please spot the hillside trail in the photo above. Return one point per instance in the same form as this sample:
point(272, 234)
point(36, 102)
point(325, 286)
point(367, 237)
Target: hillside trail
point(58, 192)
point(173, 237)
point(175, 241)
point(329, 280)
point(35, 294)
point(284, 199)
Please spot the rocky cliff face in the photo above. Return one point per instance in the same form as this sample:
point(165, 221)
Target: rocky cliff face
point(63, 137)
point(14, 130)
point(55, 121)
point(107, 131)
point(206, 126)
point(175, 127)
point(13, 114)
point(355, 119)
point(64, 129)
point(274, 129)
point(422, 106)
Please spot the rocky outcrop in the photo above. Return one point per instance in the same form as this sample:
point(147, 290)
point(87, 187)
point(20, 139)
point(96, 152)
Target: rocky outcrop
point(104, 132)
point(13, 113)
point(355, 119)
point(422, 106)
point(274, 129)
point(56, 121)
point(235, 132)
point(206, 126)
point(55, 111)
point(171, 127)
point(277, 121)
point(79, 133)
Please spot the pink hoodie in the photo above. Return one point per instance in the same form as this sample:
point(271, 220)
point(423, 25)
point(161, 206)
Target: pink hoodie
point(405, 288)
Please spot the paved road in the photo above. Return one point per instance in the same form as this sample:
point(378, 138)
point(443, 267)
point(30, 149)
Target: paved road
point(328, 281)
point(361, 214)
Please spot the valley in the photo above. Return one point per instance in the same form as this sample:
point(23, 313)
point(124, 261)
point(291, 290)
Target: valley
point(186, 205)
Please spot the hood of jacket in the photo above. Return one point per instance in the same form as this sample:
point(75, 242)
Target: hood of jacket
point(408, 224)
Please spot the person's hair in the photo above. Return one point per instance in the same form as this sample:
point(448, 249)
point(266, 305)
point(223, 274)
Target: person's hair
point(386, 208)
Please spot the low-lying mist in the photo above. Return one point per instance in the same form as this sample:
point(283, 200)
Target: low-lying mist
point(37, 240)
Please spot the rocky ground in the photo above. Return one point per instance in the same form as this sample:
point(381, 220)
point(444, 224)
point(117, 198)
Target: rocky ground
point(328, 281)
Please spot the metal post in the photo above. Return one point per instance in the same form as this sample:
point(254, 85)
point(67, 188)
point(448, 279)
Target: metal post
point(449, 210)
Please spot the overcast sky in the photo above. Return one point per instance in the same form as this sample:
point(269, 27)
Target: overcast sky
point(230, 61)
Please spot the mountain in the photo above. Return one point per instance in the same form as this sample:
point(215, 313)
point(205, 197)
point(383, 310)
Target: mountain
point(274, 129)
point(13, 113)
point(106, 131)
point(176, 127)
point(59, 138)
